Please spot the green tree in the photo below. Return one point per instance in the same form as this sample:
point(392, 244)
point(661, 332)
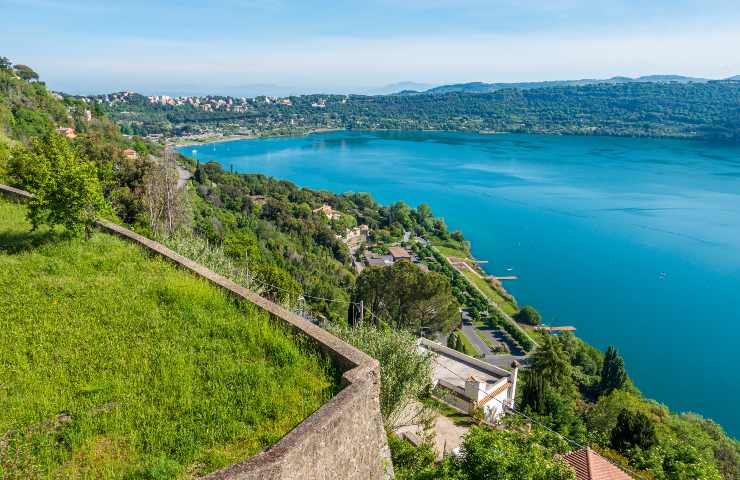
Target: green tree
point(25, 72)
point(528, 315)
point(613, 374)
point(278, 285)
point(453, 341)
point(507, 455)
point(633, 429)
point(552, 362)
point(408, 298)
point(5, 64)
point(534, 391)
point(242, 246)
point(66, 188)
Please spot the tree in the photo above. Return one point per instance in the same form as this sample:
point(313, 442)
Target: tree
point(551, 361)
point(453, 341)
point(408, 298)
point(405, 374)
point(613, 375)
point(528, 315)
point(633, 430)
point(278, 285)
point(507, 455)
point(165, 204)
point(5, 64)
point(242, 246)
point(66, 188)
point(25, 72)
point(533, 392)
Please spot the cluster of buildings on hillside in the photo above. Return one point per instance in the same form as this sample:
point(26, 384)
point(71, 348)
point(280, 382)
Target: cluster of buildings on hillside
point(207, 103)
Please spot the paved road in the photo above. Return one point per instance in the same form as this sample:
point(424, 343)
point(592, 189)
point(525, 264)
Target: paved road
point(469, 331)
point(499, 360)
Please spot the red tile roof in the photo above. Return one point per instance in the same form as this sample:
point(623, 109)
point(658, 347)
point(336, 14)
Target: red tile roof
point(589, 465)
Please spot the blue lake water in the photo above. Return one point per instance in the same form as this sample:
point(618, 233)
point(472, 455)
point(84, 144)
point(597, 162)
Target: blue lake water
point(636, 242)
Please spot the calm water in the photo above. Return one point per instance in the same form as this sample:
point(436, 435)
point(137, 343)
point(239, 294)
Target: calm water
point(635, 242)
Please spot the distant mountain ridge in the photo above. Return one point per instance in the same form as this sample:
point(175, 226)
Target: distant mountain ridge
point(482, 87)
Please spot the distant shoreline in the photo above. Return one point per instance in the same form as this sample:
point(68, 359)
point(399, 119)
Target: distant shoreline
point(230, 138)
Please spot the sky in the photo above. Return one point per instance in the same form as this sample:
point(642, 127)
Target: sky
point(300, 46)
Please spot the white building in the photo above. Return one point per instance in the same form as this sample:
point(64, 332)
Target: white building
point(467, 383)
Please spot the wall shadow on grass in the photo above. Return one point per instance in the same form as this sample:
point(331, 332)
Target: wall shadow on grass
point(15, 242)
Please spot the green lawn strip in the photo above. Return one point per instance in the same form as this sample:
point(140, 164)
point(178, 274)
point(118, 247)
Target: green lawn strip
point(160, 372)
point(451, 252)
point(490, 292)
point(478, 281)
point(470, 349)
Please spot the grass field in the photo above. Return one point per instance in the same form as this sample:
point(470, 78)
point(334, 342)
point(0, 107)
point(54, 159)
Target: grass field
point(115, 364)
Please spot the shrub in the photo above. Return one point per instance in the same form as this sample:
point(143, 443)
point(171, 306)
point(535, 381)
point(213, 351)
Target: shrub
point(528, 315)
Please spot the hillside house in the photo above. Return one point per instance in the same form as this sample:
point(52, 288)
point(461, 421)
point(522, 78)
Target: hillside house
point(589, 465)
point(328, 211)
point(375, 260)
point(68, 132)
point(131, 154)
point(467, 383)
point(399, 253)
point(356, 236)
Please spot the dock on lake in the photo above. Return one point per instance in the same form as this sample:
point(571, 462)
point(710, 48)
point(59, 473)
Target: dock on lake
point(566, 328)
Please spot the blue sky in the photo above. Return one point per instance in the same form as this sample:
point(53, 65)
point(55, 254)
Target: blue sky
point(82, 46)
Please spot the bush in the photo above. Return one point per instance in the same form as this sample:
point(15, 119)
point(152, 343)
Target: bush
point(528, 315)
point(66, 188)
point(405, 374)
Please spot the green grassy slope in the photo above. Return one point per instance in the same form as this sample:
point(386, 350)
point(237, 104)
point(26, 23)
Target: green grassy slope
point(115, 364)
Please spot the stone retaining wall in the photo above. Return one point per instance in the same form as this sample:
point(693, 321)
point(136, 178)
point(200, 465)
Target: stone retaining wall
point(344, 439)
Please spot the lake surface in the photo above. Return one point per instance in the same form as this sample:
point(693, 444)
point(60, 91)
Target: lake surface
point(636, 242)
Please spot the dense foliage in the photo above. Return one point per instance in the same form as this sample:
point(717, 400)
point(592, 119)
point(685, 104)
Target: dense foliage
point(66, 189)
point(406, 297)
point(29, 111)
point(588, 397)
point(486, 454)
point(707, 110)
point(528, 315)
point(274, 228)
point(405, 376)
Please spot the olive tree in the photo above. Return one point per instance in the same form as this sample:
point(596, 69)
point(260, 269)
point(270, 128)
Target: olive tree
point(405, 374)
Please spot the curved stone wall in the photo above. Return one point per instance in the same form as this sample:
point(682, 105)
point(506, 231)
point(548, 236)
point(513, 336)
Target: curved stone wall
point(344, 439)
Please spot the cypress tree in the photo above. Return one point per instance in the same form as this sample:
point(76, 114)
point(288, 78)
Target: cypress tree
point(198, 173)
point(633, 430)
point(533, 393)
point(613, 375)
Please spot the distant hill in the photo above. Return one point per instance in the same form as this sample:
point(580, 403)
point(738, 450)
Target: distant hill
point(481, 87)
point(736, 78)
point(397, 87)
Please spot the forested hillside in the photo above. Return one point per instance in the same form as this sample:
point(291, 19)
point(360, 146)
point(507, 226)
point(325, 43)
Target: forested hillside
point(660, 109)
